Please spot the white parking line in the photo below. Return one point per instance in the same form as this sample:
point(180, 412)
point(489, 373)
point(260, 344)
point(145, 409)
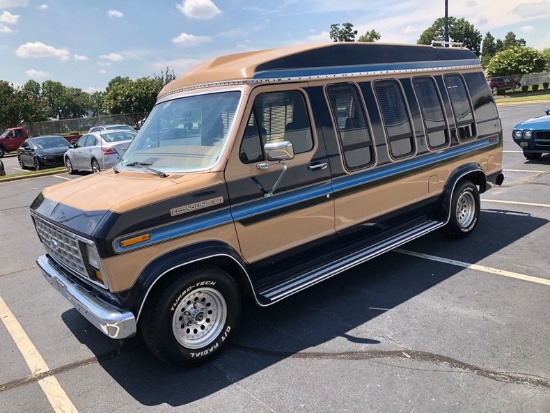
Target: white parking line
point(50, 386)
point(20, 169)
point(525, 170)
point(62, 177)
point(512, 151)
point(516, 203)
point(489, 270)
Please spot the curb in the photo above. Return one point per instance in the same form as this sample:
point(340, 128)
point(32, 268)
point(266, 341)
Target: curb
point(7, 178)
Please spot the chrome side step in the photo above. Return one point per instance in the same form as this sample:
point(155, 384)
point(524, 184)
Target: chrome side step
point(312, 277)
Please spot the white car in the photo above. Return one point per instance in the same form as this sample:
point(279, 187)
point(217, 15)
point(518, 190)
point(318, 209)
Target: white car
point(105, 128)
point(98, 151)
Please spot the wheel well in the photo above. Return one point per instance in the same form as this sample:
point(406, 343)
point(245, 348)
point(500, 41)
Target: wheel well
point(226, 263)
point(478, 178)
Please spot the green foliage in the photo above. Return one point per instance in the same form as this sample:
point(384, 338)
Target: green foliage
point(10, 105)
point(490, 46)
point(524, 88)
point(511, 41)
point(342, 34)
point(515, 62)
point(370, 37)
point(546, 56)
point(460, 30)
point(134, 97)
point(165, 77)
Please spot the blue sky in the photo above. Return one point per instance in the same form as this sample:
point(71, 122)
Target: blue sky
point(85, 43)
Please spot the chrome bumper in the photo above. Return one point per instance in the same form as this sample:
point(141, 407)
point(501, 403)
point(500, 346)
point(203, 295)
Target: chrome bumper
point(110, 320)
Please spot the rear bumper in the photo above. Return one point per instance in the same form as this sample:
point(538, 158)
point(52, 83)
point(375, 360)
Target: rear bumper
point(110, 320)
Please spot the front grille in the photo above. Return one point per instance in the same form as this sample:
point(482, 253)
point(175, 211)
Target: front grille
point(62, 246)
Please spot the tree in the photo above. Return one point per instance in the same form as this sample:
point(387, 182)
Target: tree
point(33, 106)
point(133, 97)
point(96, 103)
point(370, 36)
point(52, 93)
point(460, 30)
point(515, 62)
point(165, 77)
point(10, 105)
point(488, 49)
point(546, 56)
point(511, 41)
point(114, 81)
point(343, 34)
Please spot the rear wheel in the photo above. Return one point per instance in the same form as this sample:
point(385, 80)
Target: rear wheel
point(189, 320)
point(95, 166)
point(37, 164)
point(533, 156)
point(465, 207)
point(2, 151)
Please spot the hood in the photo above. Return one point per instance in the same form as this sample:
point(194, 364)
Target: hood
point(52, 151)
point(538, 122)
point(83, 203)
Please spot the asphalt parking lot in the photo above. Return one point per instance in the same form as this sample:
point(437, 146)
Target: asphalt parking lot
point(436, 326)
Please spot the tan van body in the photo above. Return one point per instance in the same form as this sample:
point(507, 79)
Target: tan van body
point(264, 173)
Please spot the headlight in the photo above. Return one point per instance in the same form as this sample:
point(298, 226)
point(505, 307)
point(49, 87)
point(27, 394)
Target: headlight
point(527, 134)
point(95, 270)
point(518, 134)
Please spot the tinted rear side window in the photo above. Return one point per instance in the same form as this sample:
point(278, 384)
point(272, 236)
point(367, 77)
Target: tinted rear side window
point(351, 123)
point(395, 118)
point(482, 99)
point(432, 111)
point(461, 106)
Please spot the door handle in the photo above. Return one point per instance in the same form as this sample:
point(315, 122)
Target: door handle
point(317, 166)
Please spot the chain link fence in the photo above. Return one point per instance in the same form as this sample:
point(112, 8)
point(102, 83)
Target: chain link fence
point(77, 126)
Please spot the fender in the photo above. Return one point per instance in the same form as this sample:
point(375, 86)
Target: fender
point(135, 297)
point(478, 177)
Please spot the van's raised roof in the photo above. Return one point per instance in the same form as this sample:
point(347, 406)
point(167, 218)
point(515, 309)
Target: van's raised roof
point(319, 60)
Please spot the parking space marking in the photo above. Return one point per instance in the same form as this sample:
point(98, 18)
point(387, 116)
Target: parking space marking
point(516, 203)
point(482, 268)
point(525, 170)
point(22, 170)
point(57, 397)
point(512, 151)
point(62, 177)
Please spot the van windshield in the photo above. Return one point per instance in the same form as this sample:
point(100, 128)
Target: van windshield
point(187, 134)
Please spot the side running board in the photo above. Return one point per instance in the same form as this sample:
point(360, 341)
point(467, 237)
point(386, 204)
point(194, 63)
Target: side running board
point(314, 276)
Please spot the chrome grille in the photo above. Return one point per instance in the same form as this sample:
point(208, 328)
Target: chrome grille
point(62, 246)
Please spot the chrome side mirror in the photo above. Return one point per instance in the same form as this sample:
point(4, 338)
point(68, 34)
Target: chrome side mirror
point(279, 151)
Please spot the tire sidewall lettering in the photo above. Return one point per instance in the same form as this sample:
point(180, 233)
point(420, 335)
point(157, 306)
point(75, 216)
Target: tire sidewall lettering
point(214, 346)
point(192, 287)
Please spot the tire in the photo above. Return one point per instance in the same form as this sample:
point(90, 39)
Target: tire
point(2, 151)
point(21, 164)
point(69, 166)
point(189, 320)
point(465, 207)
point(532, 156)
point(95, 166)
point(37, 164)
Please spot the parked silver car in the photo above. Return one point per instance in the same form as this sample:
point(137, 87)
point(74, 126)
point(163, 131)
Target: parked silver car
point(98, 151)
point(104, 128)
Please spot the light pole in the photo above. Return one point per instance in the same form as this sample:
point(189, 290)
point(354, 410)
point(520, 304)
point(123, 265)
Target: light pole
point(446, 23)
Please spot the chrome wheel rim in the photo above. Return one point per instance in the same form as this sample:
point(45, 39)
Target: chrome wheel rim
point(68, 165)
point(95, 167)
point(465, 209)
point(199, 318)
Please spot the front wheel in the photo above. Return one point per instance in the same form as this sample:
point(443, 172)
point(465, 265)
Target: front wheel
point(532, 156)
point(465, 207)
point(2, 151)
point(21, 164)
point(37, 164)
point(189, 320)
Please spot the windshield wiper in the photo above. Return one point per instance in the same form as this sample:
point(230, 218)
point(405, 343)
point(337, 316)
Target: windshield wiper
point(146, 166)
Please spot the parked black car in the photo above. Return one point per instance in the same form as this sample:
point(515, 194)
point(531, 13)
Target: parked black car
point(42, 152)
point(2, 170)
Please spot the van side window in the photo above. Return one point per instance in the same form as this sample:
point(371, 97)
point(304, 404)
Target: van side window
point(350, 120)
point(462, 107)
point(277, 116)
point(432, 111)
point(484, 105)
point(395, 118)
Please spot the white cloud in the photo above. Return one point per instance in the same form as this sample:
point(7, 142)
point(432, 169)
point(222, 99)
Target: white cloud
point(42, 7)
point(6, 4)
point(199, 9)
point(113, 57)
point(319, 37)
point(527, 29)
point(114, 14)
point(80, 57)
point(37, 74)
point(104, 64)
point(7, 17)
point(533, 9)
point(102, 71)
point(186, 39)
point(40, 50)
point(410, 29)
point(5, 29)
point(92, 89)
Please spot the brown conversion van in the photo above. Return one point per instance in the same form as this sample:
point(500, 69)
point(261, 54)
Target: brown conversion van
point(266, 172)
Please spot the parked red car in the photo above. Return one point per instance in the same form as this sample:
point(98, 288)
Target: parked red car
point(496, 83)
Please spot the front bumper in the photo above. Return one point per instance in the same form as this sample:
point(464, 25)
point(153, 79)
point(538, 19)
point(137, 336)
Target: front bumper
point(110, 320)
